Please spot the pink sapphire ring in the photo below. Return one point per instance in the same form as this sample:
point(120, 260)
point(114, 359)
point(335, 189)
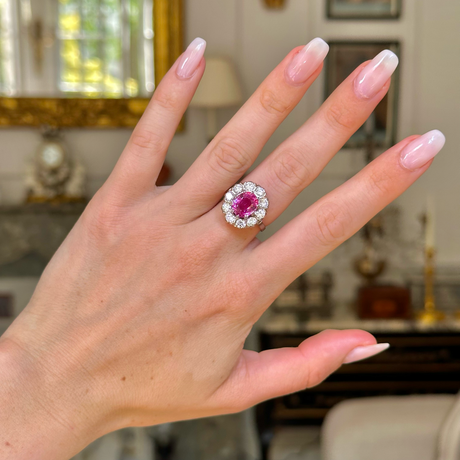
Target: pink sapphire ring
point(245, 205)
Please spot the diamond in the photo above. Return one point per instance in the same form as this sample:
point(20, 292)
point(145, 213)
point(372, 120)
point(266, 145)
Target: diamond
point(230, 218)
point(226, 207)
point(260, 191)
point(245, 204)
point(238, 188)
point(249, 186)
point(263, 203)
point(252, 221)
point(260, 214)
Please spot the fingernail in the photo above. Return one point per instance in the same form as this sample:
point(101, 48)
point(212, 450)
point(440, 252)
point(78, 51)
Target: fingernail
point(306, 61)
point(372, 78)
point(191, 58)
point(360, 353)
point(422, 149)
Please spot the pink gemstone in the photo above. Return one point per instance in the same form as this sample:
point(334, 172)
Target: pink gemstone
point(245, 204)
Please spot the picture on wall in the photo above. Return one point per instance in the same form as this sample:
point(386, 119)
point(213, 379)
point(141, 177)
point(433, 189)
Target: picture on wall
point(363, 9)
point(342, 60)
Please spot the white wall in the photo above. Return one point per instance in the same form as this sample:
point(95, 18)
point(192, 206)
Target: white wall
point(257, 39)
point(436, 104)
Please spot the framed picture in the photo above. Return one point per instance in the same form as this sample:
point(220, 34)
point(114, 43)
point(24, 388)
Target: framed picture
point(363, 9)
point(342, 60)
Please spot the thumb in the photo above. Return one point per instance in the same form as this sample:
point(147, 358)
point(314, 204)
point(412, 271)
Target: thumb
point(272, 373)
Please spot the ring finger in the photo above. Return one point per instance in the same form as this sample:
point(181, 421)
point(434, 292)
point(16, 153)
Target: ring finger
point(300, 158)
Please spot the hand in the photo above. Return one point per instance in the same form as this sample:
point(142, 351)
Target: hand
point(141, 316)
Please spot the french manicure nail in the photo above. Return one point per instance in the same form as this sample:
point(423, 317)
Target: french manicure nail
point(423, 149)
point(372, 78)
point(306, 61)
point(191, 58)
point(360, 353)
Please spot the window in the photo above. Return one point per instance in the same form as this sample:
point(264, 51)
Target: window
point(105, 47)
point(9, 66)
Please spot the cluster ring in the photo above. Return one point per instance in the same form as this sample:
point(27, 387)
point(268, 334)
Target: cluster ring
point(245, 205)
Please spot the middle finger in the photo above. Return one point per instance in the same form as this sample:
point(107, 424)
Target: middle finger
point(237, 145)
point(301, 157)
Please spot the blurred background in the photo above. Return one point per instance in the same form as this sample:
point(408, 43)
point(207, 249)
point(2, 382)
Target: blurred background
point(75, 76)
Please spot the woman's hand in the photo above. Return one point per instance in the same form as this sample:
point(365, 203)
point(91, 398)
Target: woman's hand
point(141, 316)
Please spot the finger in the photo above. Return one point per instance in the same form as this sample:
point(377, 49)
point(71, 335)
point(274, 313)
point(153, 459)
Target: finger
point(238, 144)
point(342, 212)
point(271, 373)
point(140, 163)
point(299, 160)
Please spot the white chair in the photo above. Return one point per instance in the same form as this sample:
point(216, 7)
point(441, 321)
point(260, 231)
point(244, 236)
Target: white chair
point(393, 428)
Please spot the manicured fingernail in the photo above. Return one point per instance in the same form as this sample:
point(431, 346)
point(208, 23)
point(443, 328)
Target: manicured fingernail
point(306, 61)
point(422, 149)
point(360, 353)
point(191, 58)
point(372, 78)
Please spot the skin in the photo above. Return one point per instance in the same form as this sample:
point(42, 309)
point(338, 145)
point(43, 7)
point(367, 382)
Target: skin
point(141, 316)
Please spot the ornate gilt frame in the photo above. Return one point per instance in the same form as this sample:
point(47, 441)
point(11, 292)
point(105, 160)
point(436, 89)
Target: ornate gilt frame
point(102, 113)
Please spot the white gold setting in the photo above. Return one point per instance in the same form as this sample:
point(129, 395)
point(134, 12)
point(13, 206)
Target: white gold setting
point(245, 205)
point(263, 203)
point(226, 207)
point(238, 188)
point(249, 186)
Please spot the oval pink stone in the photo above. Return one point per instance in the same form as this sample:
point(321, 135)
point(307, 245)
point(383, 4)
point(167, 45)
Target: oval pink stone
point(245, 204)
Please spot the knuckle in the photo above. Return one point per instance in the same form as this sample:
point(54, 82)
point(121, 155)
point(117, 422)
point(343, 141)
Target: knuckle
point(146, 141)
point(167, 100)
point(273, 104)
point(331, 224)
point(228, 155)
point(380, 182)
point(290, 170)
point(104, 222)
point(314, 376)
point(339, 117)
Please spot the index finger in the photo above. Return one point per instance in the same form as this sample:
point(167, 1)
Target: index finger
point(140, 163)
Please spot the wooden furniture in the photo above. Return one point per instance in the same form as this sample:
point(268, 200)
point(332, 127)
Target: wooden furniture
point(421, 360)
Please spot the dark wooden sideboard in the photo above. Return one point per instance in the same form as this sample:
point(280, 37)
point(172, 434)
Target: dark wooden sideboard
point(419, 361)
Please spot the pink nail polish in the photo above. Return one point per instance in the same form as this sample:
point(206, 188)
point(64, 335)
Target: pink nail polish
point(422, 149)
point(191, 58)
point(372, 78)
point(360, 353)
point(306, 61)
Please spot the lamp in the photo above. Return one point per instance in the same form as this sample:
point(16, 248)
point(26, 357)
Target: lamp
point(219, 88)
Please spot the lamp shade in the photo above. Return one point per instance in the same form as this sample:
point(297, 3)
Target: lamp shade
point(219, 86)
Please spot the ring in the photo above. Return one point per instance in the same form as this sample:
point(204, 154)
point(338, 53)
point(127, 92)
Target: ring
point(245, 205)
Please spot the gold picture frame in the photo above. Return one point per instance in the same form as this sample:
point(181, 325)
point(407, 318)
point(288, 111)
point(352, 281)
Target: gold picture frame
point(102, 113)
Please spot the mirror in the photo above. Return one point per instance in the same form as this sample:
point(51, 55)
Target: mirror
point(84, 63)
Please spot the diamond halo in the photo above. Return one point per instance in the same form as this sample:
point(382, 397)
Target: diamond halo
point(245, 205)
